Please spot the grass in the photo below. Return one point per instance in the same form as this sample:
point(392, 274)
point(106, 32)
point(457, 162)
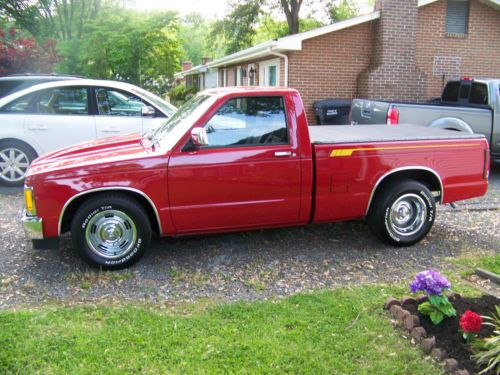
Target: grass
point(344, 331)
point(468, 264)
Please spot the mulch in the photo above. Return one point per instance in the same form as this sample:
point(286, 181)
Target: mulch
point(447, 333)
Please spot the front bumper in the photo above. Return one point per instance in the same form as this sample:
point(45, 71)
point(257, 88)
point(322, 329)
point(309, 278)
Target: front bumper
point(33, 226)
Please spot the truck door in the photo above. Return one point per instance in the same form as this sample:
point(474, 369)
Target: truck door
point(248, 176)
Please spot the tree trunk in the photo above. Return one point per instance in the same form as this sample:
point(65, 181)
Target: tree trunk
point(291, 9)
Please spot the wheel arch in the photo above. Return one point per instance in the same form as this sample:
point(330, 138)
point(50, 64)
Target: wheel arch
point(71, 206)
point(23, 141)
point(451, 123)
point(427, 176)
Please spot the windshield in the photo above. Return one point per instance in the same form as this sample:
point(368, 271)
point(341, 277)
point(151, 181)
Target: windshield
point(167, 108)
point(177, 125)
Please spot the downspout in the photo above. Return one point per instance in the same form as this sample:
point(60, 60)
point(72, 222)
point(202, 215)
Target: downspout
point(270, 50)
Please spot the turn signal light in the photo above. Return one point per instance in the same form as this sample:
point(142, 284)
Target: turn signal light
point(28, 200)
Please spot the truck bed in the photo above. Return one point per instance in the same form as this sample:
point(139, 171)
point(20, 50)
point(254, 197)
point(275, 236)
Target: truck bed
point(337, 134)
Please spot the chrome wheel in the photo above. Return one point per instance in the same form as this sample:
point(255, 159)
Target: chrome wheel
point(407, 215)
point(111, 234)
point(14, 164)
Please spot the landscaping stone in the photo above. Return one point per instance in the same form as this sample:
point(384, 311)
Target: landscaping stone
point(407, 299)
point(450, 364)
point(428, 344)
point(401, 315)
point(391, 301)
point(411, 321)
point(394, 310)
point(418, 333)
point(421, 299)
point(438, 354)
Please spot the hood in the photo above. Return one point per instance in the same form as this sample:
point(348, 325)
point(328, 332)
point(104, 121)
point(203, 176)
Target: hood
point(89, 156)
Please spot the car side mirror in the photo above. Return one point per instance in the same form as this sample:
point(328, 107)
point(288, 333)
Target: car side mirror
point(148, 111)
point(199, 137)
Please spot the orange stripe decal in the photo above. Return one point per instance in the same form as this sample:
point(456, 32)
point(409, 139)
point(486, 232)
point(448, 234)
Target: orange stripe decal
point(350, 151)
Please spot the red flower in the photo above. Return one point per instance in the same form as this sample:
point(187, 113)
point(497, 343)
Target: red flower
point(470, 322)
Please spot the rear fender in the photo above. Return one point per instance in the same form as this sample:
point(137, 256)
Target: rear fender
point(451, 123)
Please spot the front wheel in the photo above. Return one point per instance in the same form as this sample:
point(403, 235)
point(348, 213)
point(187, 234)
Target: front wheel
point(402, 214)
point(111, 231)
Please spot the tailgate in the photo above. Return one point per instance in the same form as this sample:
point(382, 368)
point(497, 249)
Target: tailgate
point(369, 112)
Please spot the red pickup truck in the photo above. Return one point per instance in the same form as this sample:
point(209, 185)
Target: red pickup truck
point(244, 158)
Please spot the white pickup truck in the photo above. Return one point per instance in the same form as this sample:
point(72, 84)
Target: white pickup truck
point(467, 105)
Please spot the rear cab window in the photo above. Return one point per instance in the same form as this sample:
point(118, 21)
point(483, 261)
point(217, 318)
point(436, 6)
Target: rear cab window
point(466, 92)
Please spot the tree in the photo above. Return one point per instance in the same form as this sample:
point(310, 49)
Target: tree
point(291, 9)
point(20, 55)
point(342, 9)
point(193, 32)
point(60, 19)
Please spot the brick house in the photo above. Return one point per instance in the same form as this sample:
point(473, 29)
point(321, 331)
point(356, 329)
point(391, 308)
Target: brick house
point(403, 50)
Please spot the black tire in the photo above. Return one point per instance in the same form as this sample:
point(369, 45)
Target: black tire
point(111, 231)
point(15, 158)
point(402, 213)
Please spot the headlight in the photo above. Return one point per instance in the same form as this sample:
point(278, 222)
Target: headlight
point(29, 200)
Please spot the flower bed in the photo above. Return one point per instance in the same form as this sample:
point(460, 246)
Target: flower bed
point(442, 326)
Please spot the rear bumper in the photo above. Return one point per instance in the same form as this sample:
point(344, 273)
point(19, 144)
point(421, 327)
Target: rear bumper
point(33, 226)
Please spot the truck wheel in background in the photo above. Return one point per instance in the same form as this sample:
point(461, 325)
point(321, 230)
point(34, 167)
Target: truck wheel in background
point(15, 158)
point(402, 213)
point(111, 231)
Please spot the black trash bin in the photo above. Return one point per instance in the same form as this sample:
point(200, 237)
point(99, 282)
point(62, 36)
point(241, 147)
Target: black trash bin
point(332, 111)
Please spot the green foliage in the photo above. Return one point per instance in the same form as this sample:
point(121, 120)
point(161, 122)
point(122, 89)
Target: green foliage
point(142, 49)
point(237, 28)
point(181, 93)
point(193, 32)
point(343, 331)
point(487, 350)
point(342, 9)
point(437, 308)
point(270, 28)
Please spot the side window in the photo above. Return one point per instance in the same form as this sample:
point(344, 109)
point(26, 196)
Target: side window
point(249, 121)
point(56, 101)
point(478, 94)
point(111, 102)
point(63, 101)
point(20, 105)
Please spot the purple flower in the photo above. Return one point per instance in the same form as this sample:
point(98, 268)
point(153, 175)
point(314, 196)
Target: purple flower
point(430, 282)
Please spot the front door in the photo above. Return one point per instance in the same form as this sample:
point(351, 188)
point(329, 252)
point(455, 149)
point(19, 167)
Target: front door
point(248, 175)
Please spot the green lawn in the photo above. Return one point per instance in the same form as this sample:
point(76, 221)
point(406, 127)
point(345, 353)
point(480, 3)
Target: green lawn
point(344, 331)
point(468, 264)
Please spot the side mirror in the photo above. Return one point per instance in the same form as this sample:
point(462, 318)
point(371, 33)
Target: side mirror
point(148, 111)
point(199, 137)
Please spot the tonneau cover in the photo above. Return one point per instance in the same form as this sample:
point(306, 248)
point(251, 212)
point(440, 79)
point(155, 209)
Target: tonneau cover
point(381, 133)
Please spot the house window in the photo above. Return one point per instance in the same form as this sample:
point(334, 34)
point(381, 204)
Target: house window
point(457, 16)
point(269, 72)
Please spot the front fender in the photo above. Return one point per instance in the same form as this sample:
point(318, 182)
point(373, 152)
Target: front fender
point(451, 123)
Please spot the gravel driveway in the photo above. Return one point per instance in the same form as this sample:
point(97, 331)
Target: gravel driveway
point(246, 265)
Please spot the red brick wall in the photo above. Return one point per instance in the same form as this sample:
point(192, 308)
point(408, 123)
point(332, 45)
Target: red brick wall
point(328, 65)
point(442, 57)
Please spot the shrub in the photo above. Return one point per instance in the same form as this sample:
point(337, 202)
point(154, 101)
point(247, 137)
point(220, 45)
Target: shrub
point(181, 93)
point(487, 350)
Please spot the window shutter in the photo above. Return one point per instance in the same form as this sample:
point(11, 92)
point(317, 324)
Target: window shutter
point(457, 17)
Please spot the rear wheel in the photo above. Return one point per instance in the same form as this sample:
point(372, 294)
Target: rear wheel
point(111, 231)
point(15, 158)
point(402, 214)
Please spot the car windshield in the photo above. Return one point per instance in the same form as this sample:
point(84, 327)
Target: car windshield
point(177, 125)
point(167, 108)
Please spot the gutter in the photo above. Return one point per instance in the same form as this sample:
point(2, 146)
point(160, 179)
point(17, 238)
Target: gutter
point(270, 50)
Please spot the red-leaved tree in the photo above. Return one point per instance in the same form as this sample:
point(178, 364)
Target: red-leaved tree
point(25, 55)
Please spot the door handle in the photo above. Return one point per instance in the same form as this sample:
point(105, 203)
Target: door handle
point(38, 127)
point(111, 130)
point(283, 154)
